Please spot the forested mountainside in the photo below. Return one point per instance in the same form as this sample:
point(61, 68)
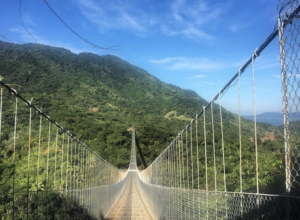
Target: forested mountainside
point(98, 98)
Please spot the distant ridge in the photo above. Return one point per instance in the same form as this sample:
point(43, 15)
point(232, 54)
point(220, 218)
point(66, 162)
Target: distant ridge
point(273, 118)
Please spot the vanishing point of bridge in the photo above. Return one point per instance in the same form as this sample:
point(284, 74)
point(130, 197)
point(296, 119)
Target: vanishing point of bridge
point(131, 204)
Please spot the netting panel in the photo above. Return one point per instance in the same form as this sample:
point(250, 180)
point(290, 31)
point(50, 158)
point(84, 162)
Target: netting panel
point(290, 67)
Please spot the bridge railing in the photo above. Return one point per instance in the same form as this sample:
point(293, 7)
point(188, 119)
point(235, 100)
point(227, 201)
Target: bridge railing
point(46, 172)
point(217, 170)
point(289, 58)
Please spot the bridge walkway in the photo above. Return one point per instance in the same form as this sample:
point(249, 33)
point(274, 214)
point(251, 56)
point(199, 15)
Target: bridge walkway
point(130, 205)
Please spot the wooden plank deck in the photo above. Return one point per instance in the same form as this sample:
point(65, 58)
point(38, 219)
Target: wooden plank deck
point(130, 205)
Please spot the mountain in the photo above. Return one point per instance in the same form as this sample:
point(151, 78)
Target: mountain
point(273, 118)
point(98, 98)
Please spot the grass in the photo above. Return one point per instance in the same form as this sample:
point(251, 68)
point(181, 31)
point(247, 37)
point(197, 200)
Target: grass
point(173, 114)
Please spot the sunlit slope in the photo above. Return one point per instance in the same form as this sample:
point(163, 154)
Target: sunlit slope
point(99, 97)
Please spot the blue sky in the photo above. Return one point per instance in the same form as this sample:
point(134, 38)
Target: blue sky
point(197, 45)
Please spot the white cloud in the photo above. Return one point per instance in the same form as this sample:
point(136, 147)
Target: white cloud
point(132, 22)
point(195, 34)
point(176, 9)
point(192, 20)
point(233, 28)
point(179, 18)
point(24, 37)
point(277, 76)
point(199, 12)
point(166, 60)
point(267, 61)
point(28, 21)
point(114, 15)
point(187, 63)
point(198, 76)
point(18, 30)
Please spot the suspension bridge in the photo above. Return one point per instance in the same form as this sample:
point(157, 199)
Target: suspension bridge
point(190, 179)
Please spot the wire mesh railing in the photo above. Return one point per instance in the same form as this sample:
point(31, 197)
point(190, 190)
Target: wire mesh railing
point(289, 56)
point(217, 170)
point(46, 172)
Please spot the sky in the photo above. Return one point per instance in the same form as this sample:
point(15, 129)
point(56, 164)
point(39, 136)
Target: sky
point(193, 44)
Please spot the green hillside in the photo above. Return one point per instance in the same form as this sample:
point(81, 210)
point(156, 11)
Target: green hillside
point(98, 98)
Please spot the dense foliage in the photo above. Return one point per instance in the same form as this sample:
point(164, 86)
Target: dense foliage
point(98, 98)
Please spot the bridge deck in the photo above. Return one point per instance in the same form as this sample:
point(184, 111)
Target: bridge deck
point(130, 205)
